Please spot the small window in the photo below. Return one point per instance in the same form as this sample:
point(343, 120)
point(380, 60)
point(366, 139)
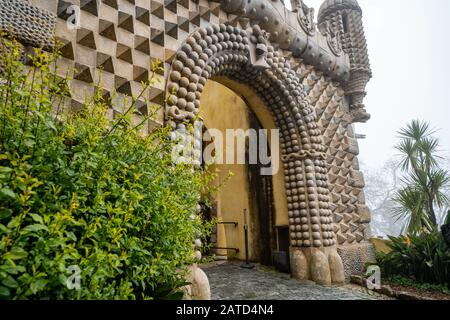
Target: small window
point(350, 100)
point(345, 22)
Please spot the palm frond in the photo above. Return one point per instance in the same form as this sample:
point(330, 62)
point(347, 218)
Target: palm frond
point(416, 130)
point(410, 208)
point(426, 185)
point(447, 218)
point(407, 150)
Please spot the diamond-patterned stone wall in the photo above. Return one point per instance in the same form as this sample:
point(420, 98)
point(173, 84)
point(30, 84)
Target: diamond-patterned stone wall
point(119, 40)
point(351, 215)
point(123, 37)
point(30, 24)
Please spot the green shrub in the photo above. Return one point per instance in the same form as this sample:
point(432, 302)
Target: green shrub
point(400, 280)
point(78, 189)
point(424, 258)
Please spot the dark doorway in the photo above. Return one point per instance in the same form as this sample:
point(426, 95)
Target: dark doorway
point(208, 213)
point(281, 256)
point(262, 209)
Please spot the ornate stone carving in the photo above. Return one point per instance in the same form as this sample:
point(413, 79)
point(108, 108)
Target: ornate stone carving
point(333, 40)
point(259, 39)
point(293, 31)
point(305, 16)
point(343, 18)
point(359, 114)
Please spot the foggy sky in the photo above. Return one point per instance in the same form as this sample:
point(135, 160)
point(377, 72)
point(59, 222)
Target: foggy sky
point(409, 48)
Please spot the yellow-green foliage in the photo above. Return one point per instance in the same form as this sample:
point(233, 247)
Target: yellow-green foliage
point(81, 190)
point(424, 258)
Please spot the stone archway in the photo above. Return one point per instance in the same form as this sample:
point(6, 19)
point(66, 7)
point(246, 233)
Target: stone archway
point(247, 57)
point(227, 105)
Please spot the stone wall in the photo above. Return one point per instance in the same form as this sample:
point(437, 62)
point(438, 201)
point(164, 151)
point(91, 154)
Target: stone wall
point(32, 25)
point(309, 79)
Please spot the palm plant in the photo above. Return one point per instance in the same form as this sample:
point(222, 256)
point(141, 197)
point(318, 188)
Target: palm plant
point(425, 182)
point(445, 229)
point(425, 258)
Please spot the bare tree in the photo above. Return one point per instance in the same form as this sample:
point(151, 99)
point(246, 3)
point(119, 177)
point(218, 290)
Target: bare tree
point(381, 185)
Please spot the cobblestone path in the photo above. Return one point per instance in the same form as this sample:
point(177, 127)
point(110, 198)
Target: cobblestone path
point(230, 282)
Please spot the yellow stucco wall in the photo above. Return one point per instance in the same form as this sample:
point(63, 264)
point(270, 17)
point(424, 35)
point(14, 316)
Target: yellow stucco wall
point(222, 108)
point(265, 118)
point(381, 245)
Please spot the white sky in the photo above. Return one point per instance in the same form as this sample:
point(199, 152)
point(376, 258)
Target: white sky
point(409, 47)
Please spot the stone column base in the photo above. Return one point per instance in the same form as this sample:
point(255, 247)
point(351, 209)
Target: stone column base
point(321, 265)
point(199, 288)
point(355, 257)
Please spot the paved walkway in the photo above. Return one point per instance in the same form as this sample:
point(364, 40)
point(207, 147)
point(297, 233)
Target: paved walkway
point(230, 282)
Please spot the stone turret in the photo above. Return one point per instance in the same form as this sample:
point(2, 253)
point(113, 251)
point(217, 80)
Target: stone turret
point(344, 18)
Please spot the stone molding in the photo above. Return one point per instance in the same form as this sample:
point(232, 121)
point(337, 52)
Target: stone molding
point(287, 30)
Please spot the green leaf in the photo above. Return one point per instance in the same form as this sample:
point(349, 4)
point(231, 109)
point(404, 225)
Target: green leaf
point(35, 228)
point(7, 193)
point(14, 223)
point(4, 229)
point(37, 218)
point(4, 292)
point(5, 170)
point(5, 213)
point(15, 253)
point(10, 282)
point(71, 235)
point(447, 218)
point(51, 125)
point(11, 268)
point(38, 285)
point(29, 143)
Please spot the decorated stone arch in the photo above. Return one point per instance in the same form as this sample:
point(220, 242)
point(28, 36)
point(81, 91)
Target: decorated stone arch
point(310, 75)
point(245, 56)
